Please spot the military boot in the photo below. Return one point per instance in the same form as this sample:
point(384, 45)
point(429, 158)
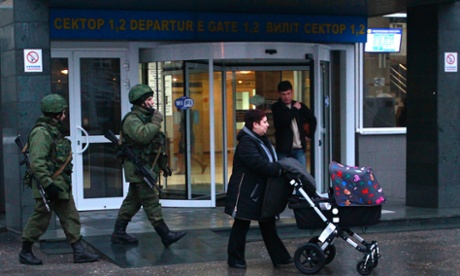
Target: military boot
point(168, 237)
point(81, 255)
point(119, 234)
point(26, 256)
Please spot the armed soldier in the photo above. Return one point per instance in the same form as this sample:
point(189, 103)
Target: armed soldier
point(50, 155)
point(141, 132)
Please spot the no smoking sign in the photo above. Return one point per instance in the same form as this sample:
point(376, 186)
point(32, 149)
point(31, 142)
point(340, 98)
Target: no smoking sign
point(450, 62)
point(33, 60)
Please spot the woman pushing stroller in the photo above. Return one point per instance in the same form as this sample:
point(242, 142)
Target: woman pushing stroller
point(255, 160)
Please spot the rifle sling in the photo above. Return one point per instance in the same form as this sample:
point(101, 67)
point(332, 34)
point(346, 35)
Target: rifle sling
point(24, 149)
point(61, 169)
point(156, 160)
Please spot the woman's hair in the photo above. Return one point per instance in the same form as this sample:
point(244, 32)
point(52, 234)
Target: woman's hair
point(253, 116)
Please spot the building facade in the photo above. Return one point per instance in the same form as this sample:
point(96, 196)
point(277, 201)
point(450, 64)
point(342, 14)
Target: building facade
point(208, 63)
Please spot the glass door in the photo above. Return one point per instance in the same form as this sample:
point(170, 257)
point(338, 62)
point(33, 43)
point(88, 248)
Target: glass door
point(188, 129)
point(95, 89)
point(224, 80)
point(253, 87)
point(326, 129)
point(199, 146)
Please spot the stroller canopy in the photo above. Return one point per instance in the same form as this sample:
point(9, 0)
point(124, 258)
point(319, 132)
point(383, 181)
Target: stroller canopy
point(354, 186)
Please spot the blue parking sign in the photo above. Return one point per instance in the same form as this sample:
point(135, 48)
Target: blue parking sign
point(183, 102)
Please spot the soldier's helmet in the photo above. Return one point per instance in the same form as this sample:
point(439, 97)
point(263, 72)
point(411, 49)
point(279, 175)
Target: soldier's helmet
point(53, 103)
point(139, 92)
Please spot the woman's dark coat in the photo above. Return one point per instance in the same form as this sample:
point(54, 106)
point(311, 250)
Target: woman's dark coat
point(251, 169)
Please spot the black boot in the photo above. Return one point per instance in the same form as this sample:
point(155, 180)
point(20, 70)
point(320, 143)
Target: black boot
point(119, 234)
point(168, 237)
point(26, 256)
point(81, 255)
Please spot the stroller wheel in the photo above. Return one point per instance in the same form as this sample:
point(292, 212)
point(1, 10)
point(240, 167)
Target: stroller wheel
point(329, 252)
point(309, 258)
point(364, 269)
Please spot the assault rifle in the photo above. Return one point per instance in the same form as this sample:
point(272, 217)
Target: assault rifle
point(29, 171)
point(147, 175)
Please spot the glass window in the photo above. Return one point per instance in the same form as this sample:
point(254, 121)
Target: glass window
point(100, 104)
point(100, 94)
point(385, 73)
point(60, 84)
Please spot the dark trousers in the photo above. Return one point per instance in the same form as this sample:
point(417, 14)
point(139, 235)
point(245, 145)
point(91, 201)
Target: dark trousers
point(237, 241)
point(141, 195)
point(64, 209)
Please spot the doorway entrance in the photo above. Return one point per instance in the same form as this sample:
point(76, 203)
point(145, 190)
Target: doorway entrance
point(224, 80)
point(92, 83)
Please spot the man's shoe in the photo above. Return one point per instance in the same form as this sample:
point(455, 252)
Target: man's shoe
point(168, 237)
point(26, 256)
point(29, 258)
point(237, 264)
point(81, 255)
point(119, 235)
point(285, 262)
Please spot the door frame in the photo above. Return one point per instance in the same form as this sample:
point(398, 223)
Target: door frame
point(259, 50)
point(140, 52)
point(75, 123)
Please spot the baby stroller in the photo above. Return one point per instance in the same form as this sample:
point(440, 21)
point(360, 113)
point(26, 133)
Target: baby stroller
point(355, 199)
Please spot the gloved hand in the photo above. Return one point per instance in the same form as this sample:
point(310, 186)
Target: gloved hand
point(157, 118)
point(52, 191)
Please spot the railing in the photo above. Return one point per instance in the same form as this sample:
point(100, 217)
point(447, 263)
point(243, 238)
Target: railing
point(398, 78)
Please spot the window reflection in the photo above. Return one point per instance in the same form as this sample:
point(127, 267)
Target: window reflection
point(102, 171)
point(385, 80)
point(100, 94)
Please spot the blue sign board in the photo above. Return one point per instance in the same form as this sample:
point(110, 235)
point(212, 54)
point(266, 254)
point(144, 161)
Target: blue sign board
point(209, 27)
point(184, 102)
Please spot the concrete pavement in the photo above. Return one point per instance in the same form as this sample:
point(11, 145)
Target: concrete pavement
point(433, 252)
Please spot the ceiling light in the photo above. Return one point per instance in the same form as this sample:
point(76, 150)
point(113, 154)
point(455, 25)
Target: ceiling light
point(400, 15)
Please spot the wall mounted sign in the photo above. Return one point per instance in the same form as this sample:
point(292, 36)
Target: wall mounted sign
point(209, 27)
point(184, 102)
point(33, 60)
point(450, 62)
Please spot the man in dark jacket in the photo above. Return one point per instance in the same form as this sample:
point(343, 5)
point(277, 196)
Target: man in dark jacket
point(289, 117)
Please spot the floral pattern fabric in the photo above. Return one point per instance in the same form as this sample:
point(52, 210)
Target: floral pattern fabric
point(355, 186)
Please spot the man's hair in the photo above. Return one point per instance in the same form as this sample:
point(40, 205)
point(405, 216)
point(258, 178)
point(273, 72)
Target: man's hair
point(253, 116)
point(284, 86)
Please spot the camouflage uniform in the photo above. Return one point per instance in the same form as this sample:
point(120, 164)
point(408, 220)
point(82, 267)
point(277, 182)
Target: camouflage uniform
point(141, 135)
point(50, 154)
point(49, 149)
